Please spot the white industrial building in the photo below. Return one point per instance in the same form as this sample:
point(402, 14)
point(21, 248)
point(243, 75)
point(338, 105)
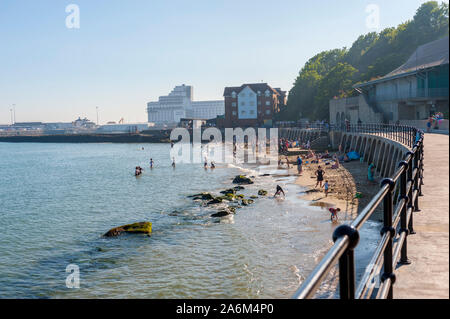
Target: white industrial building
point(180, 104)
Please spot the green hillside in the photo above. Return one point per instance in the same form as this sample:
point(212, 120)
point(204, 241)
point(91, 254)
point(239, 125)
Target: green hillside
point(332, 73)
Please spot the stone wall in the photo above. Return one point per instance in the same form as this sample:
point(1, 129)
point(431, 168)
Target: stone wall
point(384, 153)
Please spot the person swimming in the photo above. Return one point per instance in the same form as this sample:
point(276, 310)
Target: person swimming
point(138, 171)
point(279, 191)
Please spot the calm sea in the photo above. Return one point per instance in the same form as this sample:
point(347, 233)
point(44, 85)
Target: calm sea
point(56, 201)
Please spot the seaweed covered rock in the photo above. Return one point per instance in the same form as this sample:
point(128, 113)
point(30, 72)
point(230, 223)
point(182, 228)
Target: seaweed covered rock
point(262, 192)
point(222, 213)
point(253, 197)
point(246, 202)
point(229, 197)
point(136, 228)
point(241, 179)
point(225, 212)
point(216, 200)
point(231, 191)
point(238, 188)
point(202, 196)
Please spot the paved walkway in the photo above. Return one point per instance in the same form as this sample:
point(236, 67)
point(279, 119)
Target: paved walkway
point(428, 275)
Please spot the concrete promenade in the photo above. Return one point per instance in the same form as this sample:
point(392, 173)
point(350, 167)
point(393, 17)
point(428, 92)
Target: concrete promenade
point(428, 275)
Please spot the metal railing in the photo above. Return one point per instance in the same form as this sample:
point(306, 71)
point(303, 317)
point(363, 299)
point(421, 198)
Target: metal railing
point(406, 135)
point(400, 197)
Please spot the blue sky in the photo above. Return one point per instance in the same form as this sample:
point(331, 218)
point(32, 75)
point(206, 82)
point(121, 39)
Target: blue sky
point(127, 53)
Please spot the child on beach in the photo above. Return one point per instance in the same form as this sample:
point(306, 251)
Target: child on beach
point(279, 191)
point(319, 173)
point(326, 186)
point(334, 211)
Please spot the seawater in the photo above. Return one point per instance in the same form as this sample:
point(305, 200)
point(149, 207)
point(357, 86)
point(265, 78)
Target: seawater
point(57, 200)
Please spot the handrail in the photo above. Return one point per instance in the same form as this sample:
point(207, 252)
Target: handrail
point(397, 221)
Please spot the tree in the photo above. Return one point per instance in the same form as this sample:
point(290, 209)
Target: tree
point(332, 73)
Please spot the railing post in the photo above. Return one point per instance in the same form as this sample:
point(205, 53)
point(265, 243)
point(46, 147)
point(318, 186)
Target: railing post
point(347, 262)
point(421, 166)
point(410, 193)
point(387, 227)
point(403, 214)
point(416, 178)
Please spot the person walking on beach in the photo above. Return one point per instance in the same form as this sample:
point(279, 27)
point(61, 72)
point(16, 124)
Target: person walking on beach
point(326, 186)
point(319, 173)
point(334, 212)
point(299, 165)
point(173, 162)
point(151, 163)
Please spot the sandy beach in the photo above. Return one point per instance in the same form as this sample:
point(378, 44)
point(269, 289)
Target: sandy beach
point(344, 183)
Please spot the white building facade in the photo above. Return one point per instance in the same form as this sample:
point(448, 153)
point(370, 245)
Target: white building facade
point(180, 104)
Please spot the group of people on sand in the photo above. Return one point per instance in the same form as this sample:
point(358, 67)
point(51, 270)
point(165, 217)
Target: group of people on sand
point(284, 144)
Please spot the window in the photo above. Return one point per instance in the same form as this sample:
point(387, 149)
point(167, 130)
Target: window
point(268, 112)
point(242, 103)
point(252, 112)
point(243, 112)
point(233, 95)
point(267, 93)
point(268, 103)
point(234, 113)
point(252, 103)
point(233, 104)
point(259, 102)
point(259, 93)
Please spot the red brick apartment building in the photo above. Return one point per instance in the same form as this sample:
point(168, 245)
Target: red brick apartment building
point(252, 105)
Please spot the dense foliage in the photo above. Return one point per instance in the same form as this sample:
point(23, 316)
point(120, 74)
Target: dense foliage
point(332, 73)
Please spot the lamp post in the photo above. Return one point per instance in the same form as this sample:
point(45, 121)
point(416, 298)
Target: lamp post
point(11, 110)
point(97, 114)
point(14, 108)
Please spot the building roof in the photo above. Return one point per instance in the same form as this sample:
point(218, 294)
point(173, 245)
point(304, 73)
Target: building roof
point(262, 87)
point(426, 56)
